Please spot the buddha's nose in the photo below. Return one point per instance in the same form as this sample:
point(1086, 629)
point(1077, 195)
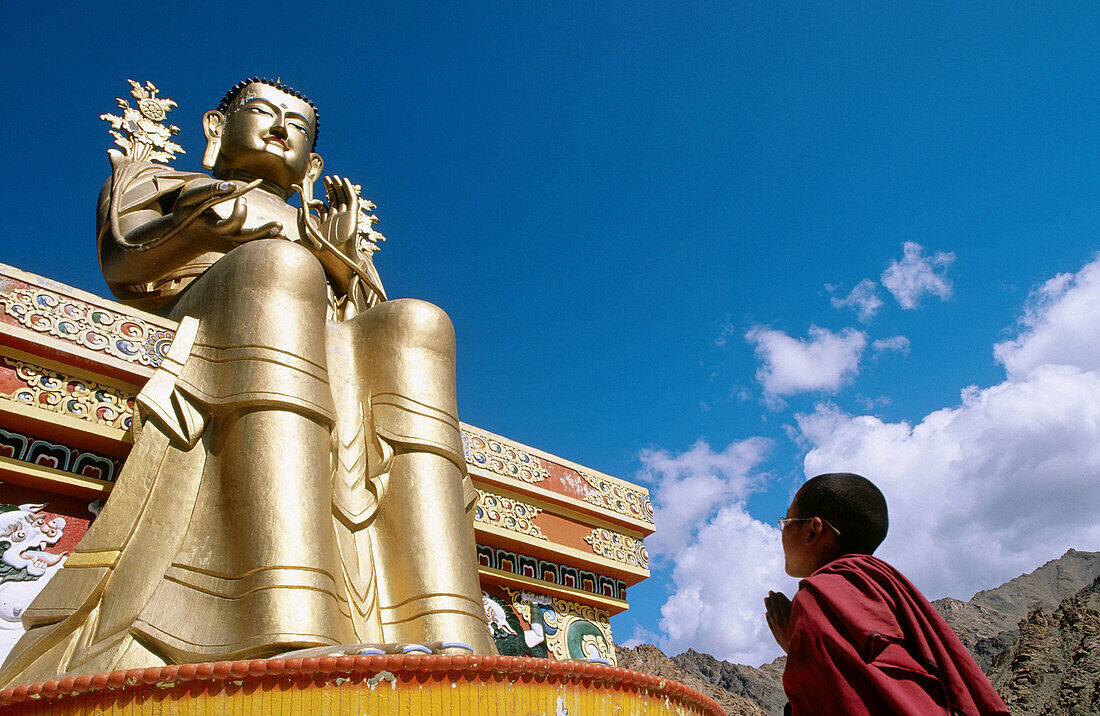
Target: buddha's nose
point(278, 130)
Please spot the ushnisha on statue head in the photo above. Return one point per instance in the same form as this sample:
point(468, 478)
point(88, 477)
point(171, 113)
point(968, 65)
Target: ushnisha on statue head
point(263, 129)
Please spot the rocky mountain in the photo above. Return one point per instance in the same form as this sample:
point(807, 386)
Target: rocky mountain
point(1037, 637)
point(1053, 664)
point(763, 685)
point(987, 624)
point(651, 660)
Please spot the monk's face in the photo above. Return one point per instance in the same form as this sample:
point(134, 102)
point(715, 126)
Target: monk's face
point(268, 134)
point(799, 559)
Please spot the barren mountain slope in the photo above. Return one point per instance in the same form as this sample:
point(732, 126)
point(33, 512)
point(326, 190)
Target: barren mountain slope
point(1053, 666)
point(651, 660)
point(763, 685)
point(987, 623)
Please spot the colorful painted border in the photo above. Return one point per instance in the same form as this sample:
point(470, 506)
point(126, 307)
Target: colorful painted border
point(96, 328)
point(36, 451)
point(317, 682)
point(562, 575)
point(34, 386)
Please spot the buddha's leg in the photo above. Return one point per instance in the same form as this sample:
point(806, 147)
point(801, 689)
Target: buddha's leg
point(427, 565)
point(424, 549)
point(257, 570)
point(260, 560)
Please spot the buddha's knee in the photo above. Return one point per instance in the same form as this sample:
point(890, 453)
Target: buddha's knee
point(269, 287)
point(412, 322)
point(278, 264)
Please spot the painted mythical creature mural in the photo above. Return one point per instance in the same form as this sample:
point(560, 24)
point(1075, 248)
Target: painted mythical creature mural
point(510, 635)
point(526, 624)
point(25, 565)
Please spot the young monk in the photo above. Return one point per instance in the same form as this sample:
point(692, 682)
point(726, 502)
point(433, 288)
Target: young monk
point(859, 637)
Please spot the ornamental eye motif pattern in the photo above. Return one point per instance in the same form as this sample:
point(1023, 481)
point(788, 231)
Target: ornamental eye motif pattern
point(620, 548)
point(98, 329)
point(502, 459)
point(618, 498)
point(507, 513)
point(45, 389)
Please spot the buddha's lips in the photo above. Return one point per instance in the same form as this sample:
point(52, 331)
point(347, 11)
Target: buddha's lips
point(273, 139)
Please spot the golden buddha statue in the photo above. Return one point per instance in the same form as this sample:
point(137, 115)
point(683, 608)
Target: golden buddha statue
point(297, 478)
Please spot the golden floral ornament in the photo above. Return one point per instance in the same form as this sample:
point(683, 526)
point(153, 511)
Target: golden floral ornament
point(367, 239)
point(141, 131)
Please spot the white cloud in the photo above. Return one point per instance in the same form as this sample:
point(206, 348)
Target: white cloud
point(916, 275)
point(1060, 325)
point(894, 343)
point(1005, 480)
point(824, 361)
point(863, 299)
point(722, 561)
point(688, 486)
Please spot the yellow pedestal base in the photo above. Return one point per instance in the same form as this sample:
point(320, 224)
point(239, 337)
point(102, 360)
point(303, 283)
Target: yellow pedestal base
point(357, 685)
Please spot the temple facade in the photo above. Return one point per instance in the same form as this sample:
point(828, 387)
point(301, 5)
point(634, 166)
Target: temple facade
point(558, 544)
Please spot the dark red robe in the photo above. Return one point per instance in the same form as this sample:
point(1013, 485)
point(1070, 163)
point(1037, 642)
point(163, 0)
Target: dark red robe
point(863, 640)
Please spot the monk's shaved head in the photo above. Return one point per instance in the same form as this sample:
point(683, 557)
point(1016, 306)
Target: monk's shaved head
point(851, 504)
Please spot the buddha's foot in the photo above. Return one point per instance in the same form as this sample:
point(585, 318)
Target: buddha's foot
point(431, 647)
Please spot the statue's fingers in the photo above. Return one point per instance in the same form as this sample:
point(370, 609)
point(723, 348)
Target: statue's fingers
point(200, 193)
point(341, 194)
point(266, 231)
point(353, 196)
point(319, 206)
point(233, 223)
point(330, 193)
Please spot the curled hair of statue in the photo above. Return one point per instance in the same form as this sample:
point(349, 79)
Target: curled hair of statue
point(231, 95)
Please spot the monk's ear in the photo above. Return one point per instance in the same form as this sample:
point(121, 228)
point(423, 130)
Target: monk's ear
point(213, 122)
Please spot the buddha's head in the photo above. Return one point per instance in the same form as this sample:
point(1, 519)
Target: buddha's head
point(265, 130)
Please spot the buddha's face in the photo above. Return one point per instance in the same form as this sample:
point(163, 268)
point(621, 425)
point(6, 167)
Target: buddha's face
point(267, 134)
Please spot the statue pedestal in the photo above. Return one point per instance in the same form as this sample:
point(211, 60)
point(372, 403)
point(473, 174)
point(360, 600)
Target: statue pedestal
point(354, 685)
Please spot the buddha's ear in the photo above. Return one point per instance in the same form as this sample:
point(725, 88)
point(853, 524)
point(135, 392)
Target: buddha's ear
point(316, 164)
point(212, 124)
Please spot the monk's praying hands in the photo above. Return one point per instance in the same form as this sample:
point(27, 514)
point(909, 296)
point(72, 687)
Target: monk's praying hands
point(778, 609)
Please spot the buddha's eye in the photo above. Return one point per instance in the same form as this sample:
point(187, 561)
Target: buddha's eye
point(260, 110)
point(300, 127)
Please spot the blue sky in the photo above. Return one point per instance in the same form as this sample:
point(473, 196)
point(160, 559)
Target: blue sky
point(640, 217)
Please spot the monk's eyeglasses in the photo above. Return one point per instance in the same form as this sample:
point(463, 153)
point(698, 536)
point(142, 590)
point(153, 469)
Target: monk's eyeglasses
point(784, 520)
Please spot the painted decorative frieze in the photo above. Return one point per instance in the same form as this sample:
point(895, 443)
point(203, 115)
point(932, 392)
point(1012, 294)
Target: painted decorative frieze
point(563, 575)
point(507, 513)
point(523, 623)
point(37, 451)
point(32, 385)
point(618, 547)
point(84, 324)
point(501, 458)
point(617, 497)
point(508, 460)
